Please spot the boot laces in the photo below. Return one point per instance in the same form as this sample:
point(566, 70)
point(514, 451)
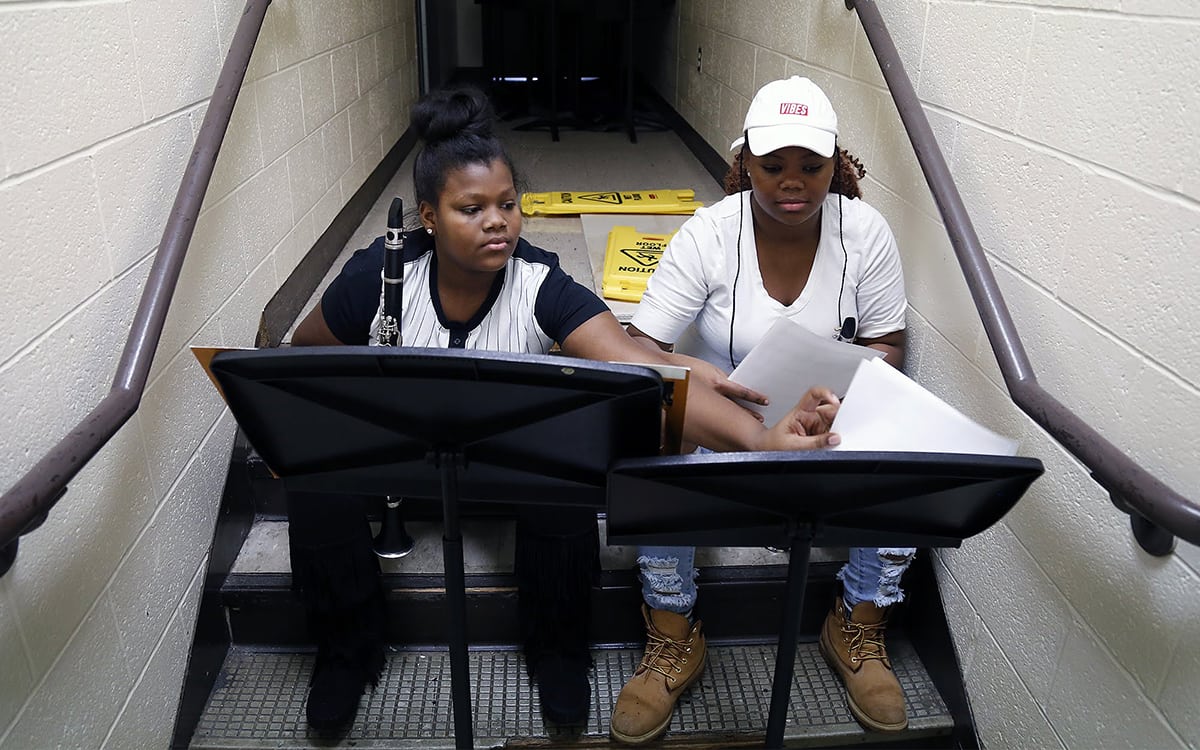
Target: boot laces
point(665, 655)
point(865, 641)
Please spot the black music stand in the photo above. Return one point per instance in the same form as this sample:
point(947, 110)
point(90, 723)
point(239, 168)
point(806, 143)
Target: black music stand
point(440, 423)
point(802, 500)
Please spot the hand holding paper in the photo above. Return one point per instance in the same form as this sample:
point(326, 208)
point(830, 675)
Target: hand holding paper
point(885, 411)
point(789, 360)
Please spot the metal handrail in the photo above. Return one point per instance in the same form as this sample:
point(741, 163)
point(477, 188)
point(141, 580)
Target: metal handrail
point(1158, 513)
point(26, 503)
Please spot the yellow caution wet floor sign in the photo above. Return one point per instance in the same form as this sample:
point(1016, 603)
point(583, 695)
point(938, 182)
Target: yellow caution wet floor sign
point(629, 259)
point(614, 202)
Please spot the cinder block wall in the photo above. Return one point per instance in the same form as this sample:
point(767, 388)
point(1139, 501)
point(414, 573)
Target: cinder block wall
point(101, 104)
point(1071, 130)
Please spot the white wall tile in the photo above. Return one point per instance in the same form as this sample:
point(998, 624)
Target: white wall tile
point(1111, 711)
point(61, 90)
point(50, 206)
point(178, 52)
point(1091, 101)
point(138, 176)
point(994, 54)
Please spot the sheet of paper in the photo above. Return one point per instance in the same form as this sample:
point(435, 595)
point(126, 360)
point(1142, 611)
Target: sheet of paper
point(886, 411)
point(790, 359)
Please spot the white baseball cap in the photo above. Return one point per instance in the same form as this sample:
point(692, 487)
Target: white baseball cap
point(790, 112)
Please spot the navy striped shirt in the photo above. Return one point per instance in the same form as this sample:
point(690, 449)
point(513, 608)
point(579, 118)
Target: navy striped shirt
point(533, 303)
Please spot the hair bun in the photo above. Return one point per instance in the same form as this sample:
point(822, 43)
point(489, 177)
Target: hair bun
point(448, 113)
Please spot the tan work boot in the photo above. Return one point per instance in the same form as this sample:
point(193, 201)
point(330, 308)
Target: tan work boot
point(854, 647)
point(674, 659)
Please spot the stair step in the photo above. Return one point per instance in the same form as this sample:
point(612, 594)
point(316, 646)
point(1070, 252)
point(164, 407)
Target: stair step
point(258, 702)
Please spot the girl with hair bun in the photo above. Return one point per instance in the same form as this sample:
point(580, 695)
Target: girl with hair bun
point(471, 281)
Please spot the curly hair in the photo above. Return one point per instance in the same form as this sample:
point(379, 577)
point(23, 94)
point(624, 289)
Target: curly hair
point(848, 171)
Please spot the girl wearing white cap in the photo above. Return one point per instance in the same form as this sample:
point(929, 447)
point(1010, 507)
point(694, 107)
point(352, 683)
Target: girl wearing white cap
point(791, 240)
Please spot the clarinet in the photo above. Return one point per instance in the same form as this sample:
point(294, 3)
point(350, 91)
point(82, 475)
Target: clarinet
point(393, 277)
point(393, 540)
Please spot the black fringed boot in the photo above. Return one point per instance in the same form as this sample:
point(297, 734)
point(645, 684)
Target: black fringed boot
point(337, 574)
point(557, 561)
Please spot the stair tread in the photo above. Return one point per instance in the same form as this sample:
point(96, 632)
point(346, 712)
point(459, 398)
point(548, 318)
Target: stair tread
point(258, 701)
point(488, 548)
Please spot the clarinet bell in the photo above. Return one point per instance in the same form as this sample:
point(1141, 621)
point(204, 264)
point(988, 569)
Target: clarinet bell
point(393, 541)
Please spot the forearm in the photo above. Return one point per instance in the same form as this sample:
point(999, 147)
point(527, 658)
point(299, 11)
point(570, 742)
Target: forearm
point(893, 355)
point(719, 424)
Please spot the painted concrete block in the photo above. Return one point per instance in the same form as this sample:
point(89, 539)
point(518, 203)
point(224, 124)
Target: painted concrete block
point(894, 161)
point(345, 77)
point(262, 60)
point(1112, 711)
point(768, 66)
point(831, 34)
point(150, 585)
point(138, 176)
point(45, 208)
point(148, 717)
point(292, 248)
point(264, 206)
point(1177, 699)
point(1006, 714)
point(905, 22)
point(14, 660)
point(280, 112)
point(1017, 197)
point(241, 152)
point(94, 650)
point(306, 169)
point(964, 622)
point(1025, 613)
point(181, 395)
point(62, 91)
point(1139, 246)
point(1093, 101)
point(178, 53)
point(368, 63)
point(316, 77)
point(980, 74)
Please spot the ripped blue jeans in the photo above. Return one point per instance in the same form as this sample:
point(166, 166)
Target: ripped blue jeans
point(668, 576)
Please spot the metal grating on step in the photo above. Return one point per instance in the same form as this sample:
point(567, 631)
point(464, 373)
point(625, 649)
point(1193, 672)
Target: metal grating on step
point(259, 700)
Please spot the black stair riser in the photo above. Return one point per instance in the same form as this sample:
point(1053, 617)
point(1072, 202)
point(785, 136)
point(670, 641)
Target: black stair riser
point(735, 605)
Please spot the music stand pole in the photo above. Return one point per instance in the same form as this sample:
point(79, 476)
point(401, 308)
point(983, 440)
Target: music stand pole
point(456, 600)
point(785, 652)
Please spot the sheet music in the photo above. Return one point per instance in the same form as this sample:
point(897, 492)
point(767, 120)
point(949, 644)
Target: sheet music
point(885, 411)
point(790, 359)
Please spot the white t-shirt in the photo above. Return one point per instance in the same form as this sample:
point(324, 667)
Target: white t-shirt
point(694, 281)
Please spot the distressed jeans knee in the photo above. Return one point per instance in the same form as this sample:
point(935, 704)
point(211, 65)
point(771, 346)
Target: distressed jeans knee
point(668, 576)
point(873, 574)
